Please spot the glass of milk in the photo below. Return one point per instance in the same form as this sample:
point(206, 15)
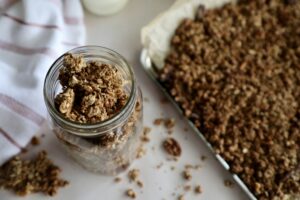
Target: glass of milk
point(104, 7)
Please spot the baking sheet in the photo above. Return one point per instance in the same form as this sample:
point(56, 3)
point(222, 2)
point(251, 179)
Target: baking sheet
point(151, 70)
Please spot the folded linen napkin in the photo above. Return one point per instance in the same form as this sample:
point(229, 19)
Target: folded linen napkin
point(32, 35)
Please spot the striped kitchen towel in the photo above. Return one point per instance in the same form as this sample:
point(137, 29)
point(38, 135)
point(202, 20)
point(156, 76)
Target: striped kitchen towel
point(32, 35)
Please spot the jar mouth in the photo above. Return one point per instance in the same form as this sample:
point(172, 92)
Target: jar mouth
point(78, 128)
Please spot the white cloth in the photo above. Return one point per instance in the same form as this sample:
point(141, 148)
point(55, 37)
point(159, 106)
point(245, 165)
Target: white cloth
point(32, 35)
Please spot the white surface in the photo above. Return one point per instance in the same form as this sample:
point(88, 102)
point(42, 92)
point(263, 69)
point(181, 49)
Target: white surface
point(122, 33)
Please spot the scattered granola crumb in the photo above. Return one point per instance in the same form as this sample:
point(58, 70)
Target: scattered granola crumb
point(197, 167)
point(198, 189)
point(173, 159)
point(140, 183)
point(169, 123)
point(133, 174)
point(159, 165)
point(24, 177)
point(189, 166)
point(187, 174)
point(117, 179)
point(172, 147)
point(141, 151)
point(145, 137)
point(181, 197)
point(187, 188)
point(203, 157)
point(158, 121)
point(130, 193)
point(35, 141)
point(228, 183)
point(172, 168)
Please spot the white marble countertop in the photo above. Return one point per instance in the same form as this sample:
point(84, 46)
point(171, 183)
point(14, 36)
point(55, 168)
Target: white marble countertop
point(121, 32)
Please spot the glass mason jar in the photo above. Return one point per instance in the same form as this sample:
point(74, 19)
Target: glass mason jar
point(108, 146)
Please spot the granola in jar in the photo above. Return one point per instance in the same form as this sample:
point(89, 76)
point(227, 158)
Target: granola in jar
point(95, 108)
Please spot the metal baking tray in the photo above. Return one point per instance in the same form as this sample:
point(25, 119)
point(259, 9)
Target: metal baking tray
point(151, 70)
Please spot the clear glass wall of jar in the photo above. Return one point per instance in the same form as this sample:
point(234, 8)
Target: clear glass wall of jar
point(109, 146)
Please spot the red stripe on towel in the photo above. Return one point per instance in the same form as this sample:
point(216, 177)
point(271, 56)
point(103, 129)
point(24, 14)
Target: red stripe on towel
point(9, 138)
point(27, 51)
point(21, 109)
point(73, 20)
point(7, 3)
point(20, 21)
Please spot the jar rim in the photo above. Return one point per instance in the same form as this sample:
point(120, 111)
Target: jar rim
point(78, 128)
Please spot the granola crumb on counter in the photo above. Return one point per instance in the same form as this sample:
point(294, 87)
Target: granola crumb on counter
point(181, 197)
point(169, 123)
point(141, 151)
point(172, 147)
point(133, 174)
point(198, 189)
point(145, 137)
point(130, 193)
point(140, 183)
point(203, 157)
point(228, 183)
point(35, 141)
point(117, 179)
point(158, 121)
point(187, 188)
point(187, 174)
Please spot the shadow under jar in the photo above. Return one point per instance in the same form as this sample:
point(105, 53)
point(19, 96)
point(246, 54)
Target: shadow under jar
point(107, 146)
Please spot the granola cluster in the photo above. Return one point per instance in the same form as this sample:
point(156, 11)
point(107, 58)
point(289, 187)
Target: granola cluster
point(92, 92)
point(235, 71)
point(30, 176)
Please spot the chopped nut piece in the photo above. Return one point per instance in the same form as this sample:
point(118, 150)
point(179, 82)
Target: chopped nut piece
point(172, 147)
point(198, 189)
point(130, 193)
